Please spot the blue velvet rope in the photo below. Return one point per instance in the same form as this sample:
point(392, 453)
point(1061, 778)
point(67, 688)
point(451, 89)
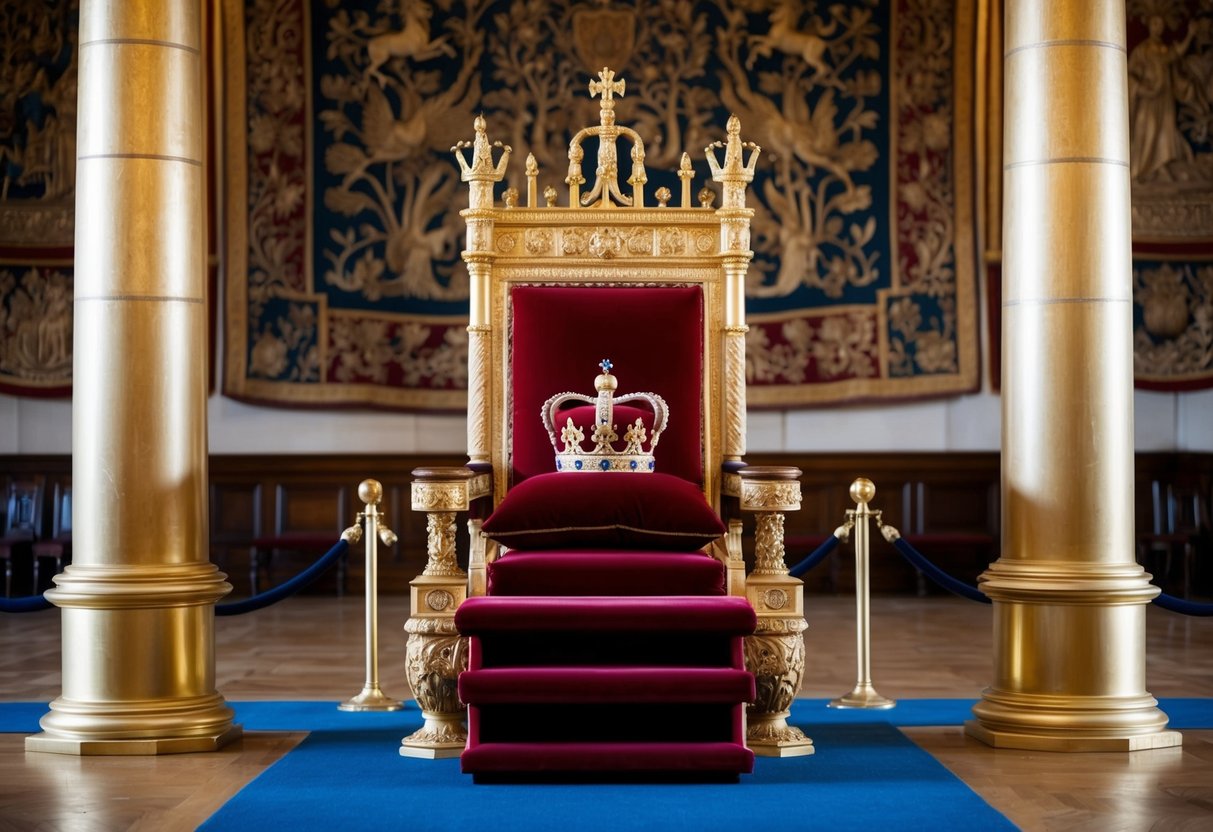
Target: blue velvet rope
point(815, 558)
point(1182, 605)
point(29, 603)
point(936, 574)
point(35, 603)
point(284, 590)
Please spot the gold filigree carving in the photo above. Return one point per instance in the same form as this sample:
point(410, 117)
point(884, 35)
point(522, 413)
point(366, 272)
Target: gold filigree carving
point(440, 544)
point(434, 658)
point(768, 544)
point(640, 241)
point(440, 496)
point(777, 662)
point(605, 243)
point(705, 242)
point(735, 401)
point(781, 496)
point(775, 599)
point(439, 599)
point(671, 241)
point(539, 241)
point(575, 241)
point(480, 343)
point(506, 243)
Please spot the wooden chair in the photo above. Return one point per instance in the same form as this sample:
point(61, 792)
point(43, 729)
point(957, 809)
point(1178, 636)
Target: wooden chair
point(22, 526)
point(611, 625)
point(56, 550)
point(1180, 528)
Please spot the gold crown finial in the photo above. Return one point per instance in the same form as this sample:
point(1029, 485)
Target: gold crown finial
point(607, 86)
point(481, 169)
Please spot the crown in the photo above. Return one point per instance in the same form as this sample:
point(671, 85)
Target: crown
point(605, 456)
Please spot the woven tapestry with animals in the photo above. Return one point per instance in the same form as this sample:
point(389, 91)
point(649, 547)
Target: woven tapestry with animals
point(344, 282)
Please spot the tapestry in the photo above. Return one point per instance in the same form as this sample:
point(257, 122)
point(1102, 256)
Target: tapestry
point(1170, 90)
point(39, 45)
point(37, 194)
point(344, 284)
point(1171, 169)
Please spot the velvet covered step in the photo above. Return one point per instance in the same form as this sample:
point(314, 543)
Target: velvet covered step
point(727, 615)
point(602, 572)
point(723, 758)
point(554, 685)
point(635, 685)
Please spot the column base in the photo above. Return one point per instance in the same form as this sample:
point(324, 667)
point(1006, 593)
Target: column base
point(769, 735)
point(51, 744)
point(1071, 742)
point(442, 736)
point(782, 748)
point(1039, 722)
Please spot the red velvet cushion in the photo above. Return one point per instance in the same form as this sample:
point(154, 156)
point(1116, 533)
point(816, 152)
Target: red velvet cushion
point(653, 336)
point(604, 511)
point(601, 572)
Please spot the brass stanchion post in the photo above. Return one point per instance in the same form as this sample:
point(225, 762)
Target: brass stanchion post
point(864, 694)
point(372, 698)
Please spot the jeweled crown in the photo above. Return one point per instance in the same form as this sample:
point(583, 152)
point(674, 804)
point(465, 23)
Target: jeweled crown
point(638, 446)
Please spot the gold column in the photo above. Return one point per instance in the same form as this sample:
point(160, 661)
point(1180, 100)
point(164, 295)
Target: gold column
point(1069, 598)
point(138, 602)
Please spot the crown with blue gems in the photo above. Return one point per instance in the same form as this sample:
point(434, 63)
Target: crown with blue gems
point(637, 453)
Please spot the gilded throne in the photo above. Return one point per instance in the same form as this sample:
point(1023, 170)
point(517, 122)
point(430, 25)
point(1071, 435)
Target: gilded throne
point(606, 622)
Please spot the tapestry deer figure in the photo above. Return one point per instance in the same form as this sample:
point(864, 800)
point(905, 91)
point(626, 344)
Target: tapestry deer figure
point(808, 44)
point(413, 41)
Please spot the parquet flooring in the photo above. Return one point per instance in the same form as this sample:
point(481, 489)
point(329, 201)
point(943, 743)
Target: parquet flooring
point(312, 648)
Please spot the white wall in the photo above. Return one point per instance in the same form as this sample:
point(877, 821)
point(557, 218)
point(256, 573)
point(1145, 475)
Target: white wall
point(1164, 422)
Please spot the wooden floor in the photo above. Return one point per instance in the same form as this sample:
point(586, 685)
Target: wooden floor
point(312, 648)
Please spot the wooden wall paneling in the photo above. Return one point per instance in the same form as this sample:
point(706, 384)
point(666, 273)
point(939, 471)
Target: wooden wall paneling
point(946, 498)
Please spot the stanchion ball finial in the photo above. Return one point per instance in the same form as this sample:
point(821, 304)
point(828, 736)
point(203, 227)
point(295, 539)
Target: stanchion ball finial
point(370, 492)
point(863, 490)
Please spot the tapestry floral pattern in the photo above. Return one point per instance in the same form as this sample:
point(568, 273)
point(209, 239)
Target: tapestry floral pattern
point(345, 284)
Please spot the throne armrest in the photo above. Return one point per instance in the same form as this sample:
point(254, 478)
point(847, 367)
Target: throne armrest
point(441, 493)
point(767, 491)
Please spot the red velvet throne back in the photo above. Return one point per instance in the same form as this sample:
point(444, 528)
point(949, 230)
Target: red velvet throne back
point(654, 336)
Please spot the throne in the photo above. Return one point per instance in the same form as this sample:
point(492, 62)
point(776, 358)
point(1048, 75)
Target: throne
point(606, 623)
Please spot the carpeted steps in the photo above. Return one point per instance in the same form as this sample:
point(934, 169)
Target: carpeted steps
point(569, 686)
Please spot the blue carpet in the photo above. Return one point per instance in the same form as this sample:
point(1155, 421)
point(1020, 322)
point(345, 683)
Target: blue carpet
point(1185, 713)
point(347, 773)
point(864, 775)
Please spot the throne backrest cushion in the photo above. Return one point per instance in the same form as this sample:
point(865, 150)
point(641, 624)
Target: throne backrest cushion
point(653, 335)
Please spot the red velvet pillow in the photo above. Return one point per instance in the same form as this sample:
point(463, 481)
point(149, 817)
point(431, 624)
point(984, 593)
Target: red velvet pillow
point(604, 511)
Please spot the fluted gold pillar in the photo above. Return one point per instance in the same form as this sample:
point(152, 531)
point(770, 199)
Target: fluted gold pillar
point(138, 602)
point(1069, 598)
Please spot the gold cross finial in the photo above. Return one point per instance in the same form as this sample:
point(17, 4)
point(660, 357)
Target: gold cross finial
point(607, 85)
